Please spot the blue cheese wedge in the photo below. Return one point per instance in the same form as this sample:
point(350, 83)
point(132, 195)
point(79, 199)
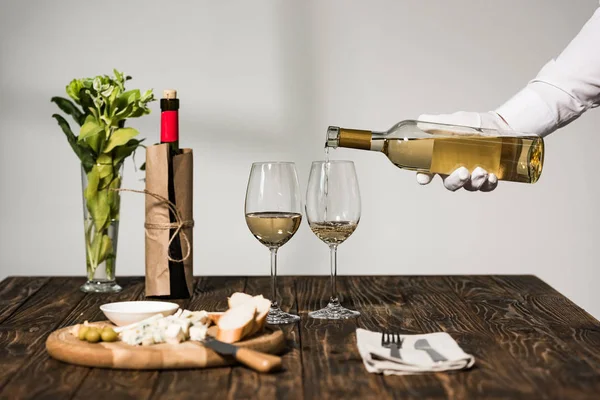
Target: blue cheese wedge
point(174, 334)
point(198, 332)
point(133, 336)
point(177, 328)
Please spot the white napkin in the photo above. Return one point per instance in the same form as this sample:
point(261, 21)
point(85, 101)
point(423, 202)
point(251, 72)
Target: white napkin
point(377, 359)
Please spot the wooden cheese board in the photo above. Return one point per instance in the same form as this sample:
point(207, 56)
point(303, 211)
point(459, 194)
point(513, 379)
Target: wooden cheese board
point(63, 346)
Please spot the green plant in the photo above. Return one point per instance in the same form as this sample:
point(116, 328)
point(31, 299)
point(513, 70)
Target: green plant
point(100, 106)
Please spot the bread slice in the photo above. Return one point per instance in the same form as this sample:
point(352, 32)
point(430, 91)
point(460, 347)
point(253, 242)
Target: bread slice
point(238, 298)
point(214, 317)
point(262, 310)
point(261, 304)
point(236, 323)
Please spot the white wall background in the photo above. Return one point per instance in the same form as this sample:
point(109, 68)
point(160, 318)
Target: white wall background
point(262, 80)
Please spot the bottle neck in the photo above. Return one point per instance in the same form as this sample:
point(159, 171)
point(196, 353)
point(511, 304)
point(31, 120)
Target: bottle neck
point(169, 122)
point(354, 138)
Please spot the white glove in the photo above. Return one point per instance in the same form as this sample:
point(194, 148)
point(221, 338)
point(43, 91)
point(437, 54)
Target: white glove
point(479, 179)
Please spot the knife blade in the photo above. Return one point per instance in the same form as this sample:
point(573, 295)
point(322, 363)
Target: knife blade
point(256, 360)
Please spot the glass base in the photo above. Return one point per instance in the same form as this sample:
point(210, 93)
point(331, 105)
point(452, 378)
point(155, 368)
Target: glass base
point(277, 316)
point(334, 310)
point(101, 287)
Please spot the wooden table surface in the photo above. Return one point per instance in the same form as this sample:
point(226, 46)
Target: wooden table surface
point(529, 340)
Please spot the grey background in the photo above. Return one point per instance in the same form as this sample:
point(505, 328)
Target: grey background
point(262, 80)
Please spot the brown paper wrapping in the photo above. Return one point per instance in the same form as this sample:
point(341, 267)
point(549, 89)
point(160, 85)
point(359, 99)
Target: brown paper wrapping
point(157, 240)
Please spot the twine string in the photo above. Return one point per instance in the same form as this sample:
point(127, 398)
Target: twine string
point(178, 225)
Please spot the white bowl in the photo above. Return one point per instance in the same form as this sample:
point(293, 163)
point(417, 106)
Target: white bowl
point(130, 312)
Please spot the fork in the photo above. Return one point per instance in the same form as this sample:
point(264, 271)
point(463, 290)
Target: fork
point(392, 341)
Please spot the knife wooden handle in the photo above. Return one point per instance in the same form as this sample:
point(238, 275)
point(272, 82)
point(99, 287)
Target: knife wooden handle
point(258, 361)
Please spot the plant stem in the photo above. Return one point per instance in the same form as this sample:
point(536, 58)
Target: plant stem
point(88, 246)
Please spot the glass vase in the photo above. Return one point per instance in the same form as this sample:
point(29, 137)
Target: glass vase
point(101, 206)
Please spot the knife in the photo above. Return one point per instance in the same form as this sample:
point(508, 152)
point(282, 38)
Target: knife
point(256, 360)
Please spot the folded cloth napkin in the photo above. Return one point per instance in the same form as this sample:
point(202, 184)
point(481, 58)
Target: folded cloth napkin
point(377, 358)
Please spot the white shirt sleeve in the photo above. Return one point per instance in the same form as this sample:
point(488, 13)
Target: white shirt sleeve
point(564, 88)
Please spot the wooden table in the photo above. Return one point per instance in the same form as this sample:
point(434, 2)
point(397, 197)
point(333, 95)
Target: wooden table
point(529, 340)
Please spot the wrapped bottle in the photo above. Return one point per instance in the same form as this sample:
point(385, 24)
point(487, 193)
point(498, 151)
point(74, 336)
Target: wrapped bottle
point(169, 235)
point(169, 134)
point(442, 148)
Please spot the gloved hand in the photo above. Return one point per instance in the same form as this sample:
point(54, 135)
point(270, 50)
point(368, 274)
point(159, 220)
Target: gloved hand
point(479, 179)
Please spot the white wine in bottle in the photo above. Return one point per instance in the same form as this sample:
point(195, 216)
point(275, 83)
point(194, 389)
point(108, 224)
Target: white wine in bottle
point(273, 229)
point(442, 148)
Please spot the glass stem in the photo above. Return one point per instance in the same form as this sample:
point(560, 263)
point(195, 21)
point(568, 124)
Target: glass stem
point(333, 254)
point(274, 278)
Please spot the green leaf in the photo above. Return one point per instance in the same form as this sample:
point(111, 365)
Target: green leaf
point(93, 180)
point(70, 108)
point(93, 134)
point(122, 152)
point(95, 249)
point(128, 97)
point(123, 112)
point(147, 96)
point(119, 138)
point(139, 111)
point(99, 209)
point(133, 104)
point(96, 142)
point(104, 164)
point(105, 182)
point(112, 104)
point(101, 247)
point(97, 83)
point(85, 99)
point(74, 88)
point(108, 91)
point(126, 102)
point(85, 156)
point(106, 248)
point(133, 95)
point(118, 75)
point(89, 128)
point(114, 198)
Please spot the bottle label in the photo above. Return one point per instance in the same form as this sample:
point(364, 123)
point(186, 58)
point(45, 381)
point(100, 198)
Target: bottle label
point(169, 126)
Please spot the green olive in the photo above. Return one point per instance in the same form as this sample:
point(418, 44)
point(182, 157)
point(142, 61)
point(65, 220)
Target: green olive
point(93, 329)
point(83, 330)
point(109, 335)
point(92, 336)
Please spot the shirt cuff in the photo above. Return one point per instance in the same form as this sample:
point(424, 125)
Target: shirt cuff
point(527, 112)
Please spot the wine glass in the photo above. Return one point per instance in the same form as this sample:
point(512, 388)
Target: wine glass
point(333, 212)
point(273, 215)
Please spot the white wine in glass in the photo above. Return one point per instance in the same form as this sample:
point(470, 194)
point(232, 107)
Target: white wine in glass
point(273, 214)
point(333, 212)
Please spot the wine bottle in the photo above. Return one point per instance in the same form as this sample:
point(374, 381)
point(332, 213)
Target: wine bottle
point(442, 148)
point(169, 134)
